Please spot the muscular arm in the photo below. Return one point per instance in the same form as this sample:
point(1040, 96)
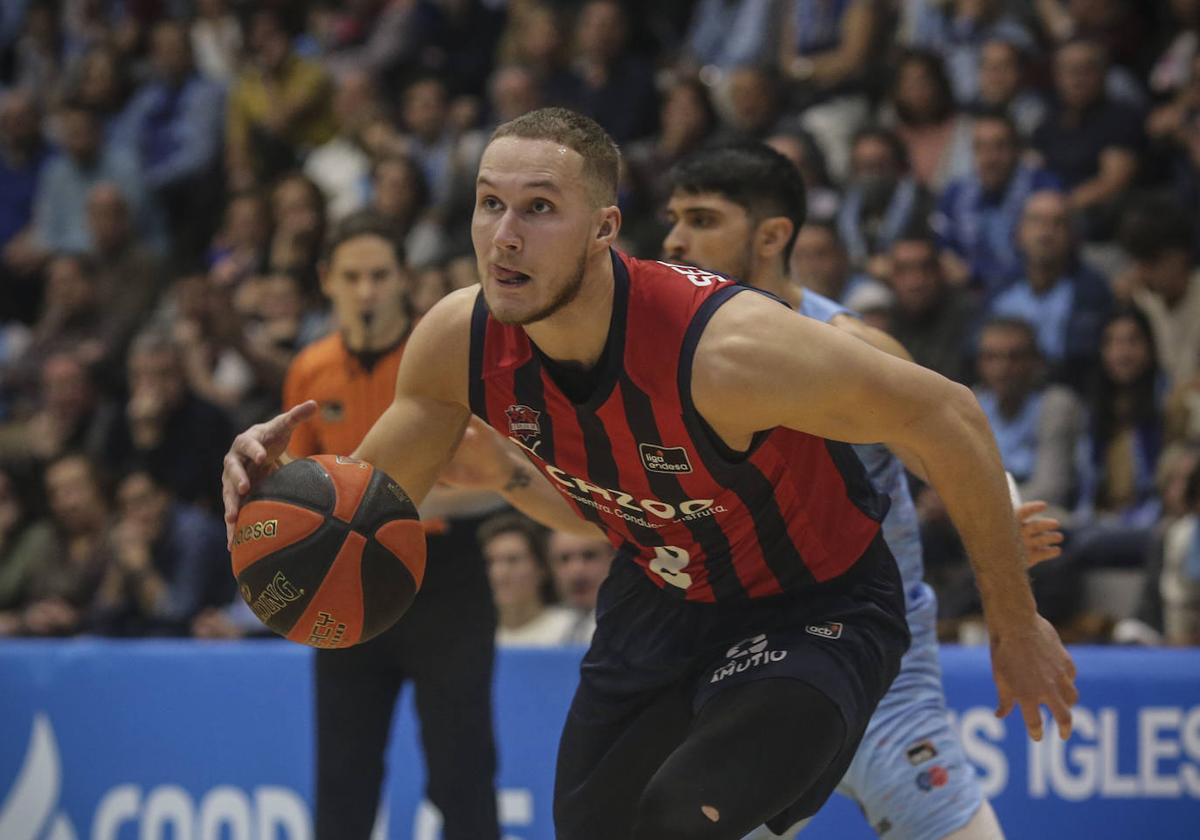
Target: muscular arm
point(414, 438)
point(839, 388)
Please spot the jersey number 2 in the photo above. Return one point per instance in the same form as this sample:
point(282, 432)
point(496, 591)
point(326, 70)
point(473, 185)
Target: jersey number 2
point(669, 563)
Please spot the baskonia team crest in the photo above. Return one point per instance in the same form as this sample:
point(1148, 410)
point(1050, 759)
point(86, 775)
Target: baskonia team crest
point(523, 423)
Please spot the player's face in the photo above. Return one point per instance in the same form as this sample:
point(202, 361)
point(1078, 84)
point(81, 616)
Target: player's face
point(579, 566)
point(368, 289)
point(711, 232)
point(534, 226)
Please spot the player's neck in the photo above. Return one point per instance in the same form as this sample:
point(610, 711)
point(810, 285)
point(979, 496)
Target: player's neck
point(774, 280)
point(577, 333)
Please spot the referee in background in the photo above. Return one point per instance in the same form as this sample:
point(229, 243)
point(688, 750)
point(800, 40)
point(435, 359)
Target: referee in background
point(445, 643)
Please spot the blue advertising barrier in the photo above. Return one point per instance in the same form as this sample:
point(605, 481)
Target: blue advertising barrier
point(166, 740)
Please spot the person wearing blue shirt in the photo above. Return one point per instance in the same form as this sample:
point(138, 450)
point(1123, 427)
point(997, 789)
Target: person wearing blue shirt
point(728, 35)
point(174, 124)
point(59, 216)
point(1065, 300)
point(977, 216)
point(22, 154)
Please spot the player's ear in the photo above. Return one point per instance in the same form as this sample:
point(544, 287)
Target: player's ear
point(610, 226)
point(772, 235)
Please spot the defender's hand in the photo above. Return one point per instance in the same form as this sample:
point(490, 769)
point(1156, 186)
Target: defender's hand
point(253, 456)
point(1041, 536)
point(1032, 668)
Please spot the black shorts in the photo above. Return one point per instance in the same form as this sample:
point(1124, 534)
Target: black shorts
point(845, 639)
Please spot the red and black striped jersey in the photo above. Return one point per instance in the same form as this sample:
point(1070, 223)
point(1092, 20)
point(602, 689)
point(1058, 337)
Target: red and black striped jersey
point(637, 458)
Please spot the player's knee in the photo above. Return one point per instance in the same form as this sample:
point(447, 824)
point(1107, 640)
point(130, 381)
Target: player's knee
point(667, 813)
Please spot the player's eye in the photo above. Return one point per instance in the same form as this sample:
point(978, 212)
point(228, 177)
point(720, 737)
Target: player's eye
point(541, 206)
point(489, 202)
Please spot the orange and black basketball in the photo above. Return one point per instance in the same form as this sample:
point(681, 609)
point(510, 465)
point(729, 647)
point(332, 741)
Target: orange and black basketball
point(328, 551)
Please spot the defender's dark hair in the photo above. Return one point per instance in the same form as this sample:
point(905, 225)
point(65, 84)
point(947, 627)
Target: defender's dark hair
point(752, 175)
point(363, 223)
point(601, 157)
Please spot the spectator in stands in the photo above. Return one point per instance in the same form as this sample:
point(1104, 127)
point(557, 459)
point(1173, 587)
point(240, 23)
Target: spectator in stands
point(1090, 141)
point(687, 121)
point(1066, 301)
point(60, 218)
point(430, 139)
point(129, 275)
point(216, 39)
point(71, 415)
point(22, 155)
point(298, 210)
point(72, 316)
point(977, 215)
point(755, 105)
point(1126, 434)
point(513, 90)
point(431, 285)
point(173, 124)
point(399, 194)
point(1038, 428)
point(933, 320)
point(515, 553)
point(882, 200)
point(820, 192)
point(168, 563)
point(1159, 237)
point(341, 167)
point(280, 107)
point(827, 52)
point(99, 81)
point(62, 578)
point(536, 38)
point(22, 545)
point(1174, 132)
point(615, 86)
point(1179, 583)
point(38, 53)
point(957, 31)
point(578, 566)
point(1003, 88)
point(725, 35)
point(165, 428)
point(242, 244)
point(819, 262)
point(922, 112)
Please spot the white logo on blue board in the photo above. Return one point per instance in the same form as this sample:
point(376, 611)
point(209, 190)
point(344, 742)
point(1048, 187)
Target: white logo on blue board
point(30, 811)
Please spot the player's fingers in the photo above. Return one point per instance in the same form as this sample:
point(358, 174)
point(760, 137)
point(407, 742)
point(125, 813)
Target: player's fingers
point(1033, 719)
point(296, 415)
point(1041, 526)
point(250, 448)
point(235, 476)
point(1005, 704)
point(1030, 509)
point(1062, 716)
point(1069, 691)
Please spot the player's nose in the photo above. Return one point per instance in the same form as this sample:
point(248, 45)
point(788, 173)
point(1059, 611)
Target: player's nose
point(506, 237)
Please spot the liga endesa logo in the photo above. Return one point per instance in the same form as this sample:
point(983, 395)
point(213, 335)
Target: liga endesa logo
point(32, 811)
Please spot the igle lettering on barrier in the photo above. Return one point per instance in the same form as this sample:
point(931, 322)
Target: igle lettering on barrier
point(1165, 763)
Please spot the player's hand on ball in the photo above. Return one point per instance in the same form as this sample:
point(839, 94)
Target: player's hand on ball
point(254, 455)
point(1041, 535)
point(1032, 668)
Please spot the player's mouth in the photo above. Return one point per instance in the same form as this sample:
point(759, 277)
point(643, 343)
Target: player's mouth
point(509, 277)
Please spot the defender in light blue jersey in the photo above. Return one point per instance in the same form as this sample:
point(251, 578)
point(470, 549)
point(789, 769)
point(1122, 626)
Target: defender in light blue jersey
point(910, 775)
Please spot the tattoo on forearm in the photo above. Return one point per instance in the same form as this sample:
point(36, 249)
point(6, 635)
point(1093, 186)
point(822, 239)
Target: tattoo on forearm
point(519, 479)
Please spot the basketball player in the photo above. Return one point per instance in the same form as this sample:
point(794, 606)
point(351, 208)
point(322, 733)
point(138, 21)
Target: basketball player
point(754, 616)
point(445, 646)
point(736, 210)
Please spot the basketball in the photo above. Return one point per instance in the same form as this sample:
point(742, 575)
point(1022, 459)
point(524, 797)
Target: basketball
point(328, 551)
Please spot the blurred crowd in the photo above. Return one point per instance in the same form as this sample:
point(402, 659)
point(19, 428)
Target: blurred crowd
point(1009, 187)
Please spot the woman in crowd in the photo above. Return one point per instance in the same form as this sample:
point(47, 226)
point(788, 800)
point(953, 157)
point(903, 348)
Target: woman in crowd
point(515, 552)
